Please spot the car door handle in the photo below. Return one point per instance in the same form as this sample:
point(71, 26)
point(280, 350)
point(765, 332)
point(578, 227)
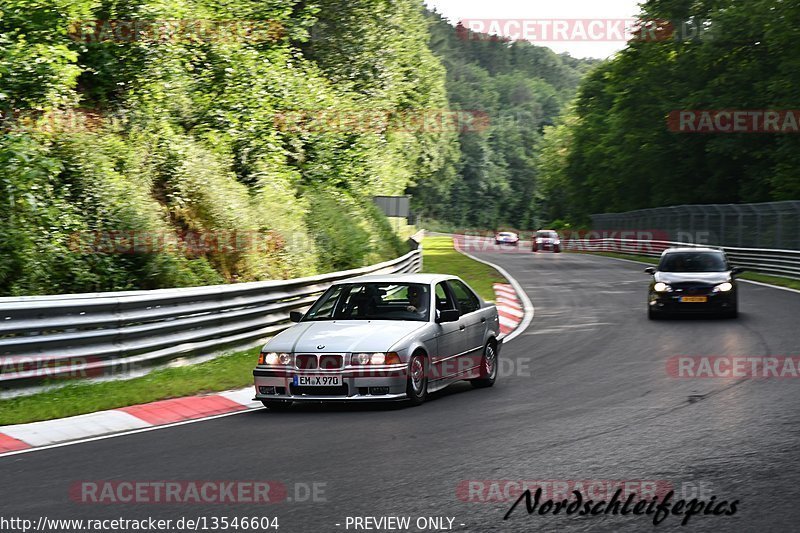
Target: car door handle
point(483, 320)
point(462, 327)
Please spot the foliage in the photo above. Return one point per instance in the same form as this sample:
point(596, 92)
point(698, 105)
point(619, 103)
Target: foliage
point(522, 88)
point(182, 135)
point(614, 152)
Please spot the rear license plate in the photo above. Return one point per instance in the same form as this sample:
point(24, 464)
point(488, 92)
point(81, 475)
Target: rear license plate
point(318, 381)
point(694, 299)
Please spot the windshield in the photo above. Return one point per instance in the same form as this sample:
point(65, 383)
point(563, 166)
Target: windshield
point(373, 301)
point(693, 262)
point(546, 235)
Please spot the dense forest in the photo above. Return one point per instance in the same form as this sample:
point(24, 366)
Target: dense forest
point(522, 88)
point(153, 120)
point(613, 150)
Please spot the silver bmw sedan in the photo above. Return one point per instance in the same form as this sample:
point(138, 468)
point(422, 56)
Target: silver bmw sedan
point(380, 338)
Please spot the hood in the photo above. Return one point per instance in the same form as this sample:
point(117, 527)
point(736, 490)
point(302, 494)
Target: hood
point(343, 336)
point(711, 278)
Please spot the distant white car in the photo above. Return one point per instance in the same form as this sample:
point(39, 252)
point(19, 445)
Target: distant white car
point(546, 239)
point(507, 237)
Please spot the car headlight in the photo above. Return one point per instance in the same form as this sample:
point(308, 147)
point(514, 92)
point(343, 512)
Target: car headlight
point(275, 359)
point(662, 287)
point(376, 358)
point(724, 287)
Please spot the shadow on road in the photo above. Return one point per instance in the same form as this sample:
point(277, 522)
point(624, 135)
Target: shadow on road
point(455, 389)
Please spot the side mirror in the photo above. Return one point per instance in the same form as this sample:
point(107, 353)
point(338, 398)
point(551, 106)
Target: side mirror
point(650, 270)
point(738, 270)
point(449, 315)
point(295, 316)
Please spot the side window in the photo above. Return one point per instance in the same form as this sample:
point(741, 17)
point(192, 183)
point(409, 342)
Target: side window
point(467, 301)
point(443, 299)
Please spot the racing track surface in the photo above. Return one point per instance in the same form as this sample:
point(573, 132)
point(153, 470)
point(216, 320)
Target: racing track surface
point(598, 405)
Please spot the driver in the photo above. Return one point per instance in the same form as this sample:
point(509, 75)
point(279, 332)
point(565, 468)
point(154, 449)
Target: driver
point(417, 300)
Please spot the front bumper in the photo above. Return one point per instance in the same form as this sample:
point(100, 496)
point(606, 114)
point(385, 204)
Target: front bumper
point(670, 302)
point(377, 384)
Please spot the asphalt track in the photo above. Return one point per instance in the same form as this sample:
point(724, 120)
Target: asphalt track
point(588, 398)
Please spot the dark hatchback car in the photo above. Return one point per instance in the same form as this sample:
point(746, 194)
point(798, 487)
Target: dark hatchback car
point(693, 280)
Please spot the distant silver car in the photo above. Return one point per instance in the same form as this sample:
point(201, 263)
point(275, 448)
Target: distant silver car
point(507, 237)
point(379, 338)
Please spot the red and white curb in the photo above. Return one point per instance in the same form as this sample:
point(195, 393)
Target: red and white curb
point(23, 437)
point(508, 308)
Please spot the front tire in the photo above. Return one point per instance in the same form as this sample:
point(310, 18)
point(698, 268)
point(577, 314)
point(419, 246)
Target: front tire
point(488, 367)
point(557, 249)
point(417, 386)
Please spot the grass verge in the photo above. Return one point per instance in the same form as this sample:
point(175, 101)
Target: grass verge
point(753, 276)
point(233, 371)
point(439, 257)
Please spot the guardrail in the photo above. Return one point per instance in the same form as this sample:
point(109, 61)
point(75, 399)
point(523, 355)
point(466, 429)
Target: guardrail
point(785, 263)
point(102, 334)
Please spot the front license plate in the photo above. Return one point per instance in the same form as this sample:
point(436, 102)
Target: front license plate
point(694, 299)
point(318, 381)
